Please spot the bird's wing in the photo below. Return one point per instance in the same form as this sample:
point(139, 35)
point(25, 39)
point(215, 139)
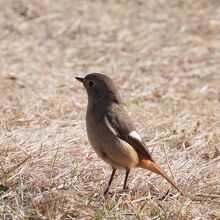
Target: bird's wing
point(121, 125)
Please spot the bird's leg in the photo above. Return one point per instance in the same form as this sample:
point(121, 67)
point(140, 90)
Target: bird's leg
point(110, 181)
point(126, 178)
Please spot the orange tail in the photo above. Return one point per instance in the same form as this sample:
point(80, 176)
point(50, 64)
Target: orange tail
point(152, 166)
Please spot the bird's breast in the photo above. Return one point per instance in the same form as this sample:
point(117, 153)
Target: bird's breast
point(108, 146)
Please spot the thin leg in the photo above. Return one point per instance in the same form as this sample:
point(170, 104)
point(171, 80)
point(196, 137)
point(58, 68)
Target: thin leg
point(126, 178)
point(110, 181)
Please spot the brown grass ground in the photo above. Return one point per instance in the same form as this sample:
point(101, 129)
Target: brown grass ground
point(165, 57)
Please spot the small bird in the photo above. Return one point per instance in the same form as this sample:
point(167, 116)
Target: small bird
point(112, 133)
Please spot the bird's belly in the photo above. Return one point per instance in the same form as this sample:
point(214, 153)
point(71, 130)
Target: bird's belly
point(110, 148)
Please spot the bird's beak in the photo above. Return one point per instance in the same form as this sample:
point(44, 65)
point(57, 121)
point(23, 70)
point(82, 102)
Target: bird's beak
point(80, 79)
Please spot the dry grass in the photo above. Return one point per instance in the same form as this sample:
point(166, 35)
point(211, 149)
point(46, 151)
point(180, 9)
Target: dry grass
point(165, 57)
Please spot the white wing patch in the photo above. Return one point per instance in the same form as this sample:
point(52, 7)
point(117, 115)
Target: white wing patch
point(114, 131)
point(135, 135)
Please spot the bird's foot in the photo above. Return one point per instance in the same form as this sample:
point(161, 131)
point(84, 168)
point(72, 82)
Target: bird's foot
point(106, 191)
point(128, 191)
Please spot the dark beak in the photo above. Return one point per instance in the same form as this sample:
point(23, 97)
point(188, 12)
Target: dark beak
point(80, 79)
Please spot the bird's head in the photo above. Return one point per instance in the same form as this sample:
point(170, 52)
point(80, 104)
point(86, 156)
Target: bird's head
point(100, 88)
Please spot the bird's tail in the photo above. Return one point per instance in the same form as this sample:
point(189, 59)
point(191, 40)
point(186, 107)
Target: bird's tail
point(152, 166)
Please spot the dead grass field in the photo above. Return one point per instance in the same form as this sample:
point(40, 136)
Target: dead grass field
point(165, 57)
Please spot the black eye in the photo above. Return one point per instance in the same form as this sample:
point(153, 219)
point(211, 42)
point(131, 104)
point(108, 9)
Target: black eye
point(91, 84)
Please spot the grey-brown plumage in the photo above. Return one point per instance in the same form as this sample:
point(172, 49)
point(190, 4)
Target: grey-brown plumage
point(110, 130)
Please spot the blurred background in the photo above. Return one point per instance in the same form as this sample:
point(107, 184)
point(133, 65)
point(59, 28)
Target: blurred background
point(165, 57)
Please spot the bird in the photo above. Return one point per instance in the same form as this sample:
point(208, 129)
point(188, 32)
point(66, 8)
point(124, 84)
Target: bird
point(112, 133)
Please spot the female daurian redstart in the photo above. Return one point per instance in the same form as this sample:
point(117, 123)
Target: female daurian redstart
point(111, 132)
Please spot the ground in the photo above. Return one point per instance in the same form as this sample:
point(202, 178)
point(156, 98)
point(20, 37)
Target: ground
point(165, 58)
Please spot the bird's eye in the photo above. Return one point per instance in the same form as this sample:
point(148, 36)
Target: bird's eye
point(91, 84)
